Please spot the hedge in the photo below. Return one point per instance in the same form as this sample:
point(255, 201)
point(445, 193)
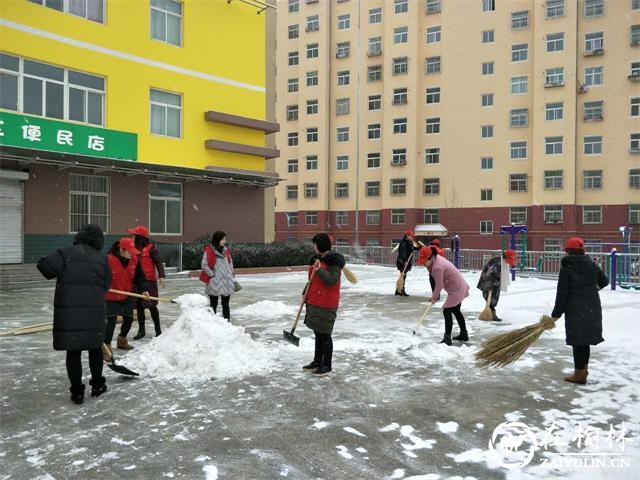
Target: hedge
point(251, 255)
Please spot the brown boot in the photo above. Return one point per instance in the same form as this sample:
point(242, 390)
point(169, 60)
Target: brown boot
point(579, 376)
point(123, 344)
point(107, 357)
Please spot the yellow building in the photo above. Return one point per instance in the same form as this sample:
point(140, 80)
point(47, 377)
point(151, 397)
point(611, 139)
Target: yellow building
point(132, 112)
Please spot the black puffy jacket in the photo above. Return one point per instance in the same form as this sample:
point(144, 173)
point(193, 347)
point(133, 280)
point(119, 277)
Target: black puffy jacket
point(577, 298)
point(82, 277)
point(405, 249)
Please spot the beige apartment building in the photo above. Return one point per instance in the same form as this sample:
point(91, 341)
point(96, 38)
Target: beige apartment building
point(468, 113)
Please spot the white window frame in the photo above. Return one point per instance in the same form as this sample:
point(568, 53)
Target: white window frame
point(434, 34)
point(554, 76)
point(400, 6)
point(372, 217)
point(398, 187)
point(343, 106)
point(556, 41)
point(554, 9)
point(486, 131)
point(431, 215)
point(293, 85)
point(488, 36)
point(486, 227)
point(400, 96)
point(166, 108)
point(342, 134)
point(634, 103)
point(292, 165)
point(311, 162)
point(400, 35)
point(634, 213)
point(554, 111)
point(374, 159)
point(592, 179)
point(432, 126)
point(292, 192)
point(518, 215)
point(67, 7)
point(488, 68)
point(594, 76)
point(432, 95)
point(374, 103)
point(311, 217)
point(486, 163)
point(341, 190)
point(592, 145)
point(553, 179)
point(398, 216)
point(486, 194)
point(593, 8)
point(520, 85)
point(592, 214)
point(400, 66)
point(516, 148)
point(552, 146)
point(312, 134)
point(372, 188)
point(313, 50)
point(432, 155)
point(310, 190)
point(312, 78)
point(518, 117)
point(486, 100)
point(593, 41)
point(432, 65)
point(519, 52)
point(343, 78)
point(431, 186)
point(399, 156)
point(520, 20)
point(553, 214)
point(375, 16)
point(399, 126)
point(517, 180)
point(293, 59)
point(166, 13)
point(167, 199)
point(375, 129)
point(344, 21)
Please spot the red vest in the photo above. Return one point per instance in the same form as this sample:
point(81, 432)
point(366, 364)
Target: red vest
point(146, 262)
point(212, 258)
point(321, 294)
point(121, 277)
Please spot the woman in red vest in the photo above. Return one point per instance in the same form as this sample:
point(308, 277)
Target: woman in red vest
point(217, 273)
point(322, 301)
point(146, 279)
point(123, 260)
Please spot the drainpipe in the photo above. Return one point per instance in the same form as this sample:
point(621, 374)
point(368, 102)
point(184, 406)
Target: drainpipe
point(575, 128)
point(357, 189)
point(330, 81)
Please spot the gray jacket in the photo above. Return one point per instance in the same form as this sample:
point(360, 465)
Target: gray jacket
point(221, 277)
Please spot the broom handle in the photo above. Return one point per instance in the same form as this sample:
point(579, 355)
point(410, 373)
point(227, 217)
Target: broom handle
point(304, 299)
point(424, 315)
point(137, 295)
point(489, 299)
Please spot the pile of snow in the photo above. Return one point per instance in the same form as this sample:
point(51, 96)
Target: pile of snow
point(267, 310)
point(200, 346)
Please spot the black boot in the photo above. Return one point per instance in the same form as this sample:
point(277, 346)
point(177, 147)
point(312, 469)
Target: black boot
point(398, 293)
point(312, 366)
point(495, 317)
point(324, 370)
point(139, 335)
point(98, 387)
point(447, 339)
point(404, 293)
point(77, 394)
point(158, 331)
point(463, 337)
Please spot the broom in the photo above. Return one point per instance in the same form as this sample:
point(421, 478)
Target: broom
point(504, 349)
point(487, 314)
point(350, 275)
point(400, 281)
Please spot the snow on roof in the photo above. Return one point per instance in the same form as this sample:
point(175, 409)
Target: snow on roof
point(431, 229)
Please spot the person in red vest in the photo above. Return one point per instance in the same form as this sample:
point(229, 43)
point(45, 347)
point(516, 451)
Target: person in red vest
point(217, 273)
point(322, 301)
point(149, 272)
point(123, 260)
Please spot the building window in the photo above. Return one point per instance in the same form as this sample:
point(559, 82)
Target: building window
point(294, 6)
point(552, 245)
point(342, 190)
point(635, 70)
point(342, 134)
point(432, 65)
point(593, 110)
point(400, 96)
point(431, 186)
point(488, 36)
point(292, 139)
point(553, 145)
point(486, 195)
point(486, 131)
point(553, 179)
point(518, 215)
point(555, 42)
point(292, 166)
point(400, 6)
point(292, 112)
point(344, 22)
point(165, 208)
point(375, 16)
point(488, 5)
point(312, 50)
point(292, 85)
point(89, 200)
point(374, 73)
point(373, 217)
point(434, 34)
point(398, 216)
point(342, 218)
point(312, 135)
point(311, 218)
point(292, 219)
point(554, 77)
point(343, 106)
point(293, 58)
point(555, 8)
point(486, 227)
point(432, 125)
point(592, 180)
point(372, 189)
point(166, 21)
point(373, 160)
point(519, 20)
point(553, 214)
point(634, 143)
point(593, 8)
point(400, 35)
point(432, 155)
point(312, 79)
point(434, 6)
point(554, 111)
point(634, 178)
point(431, 215)
point(519, 117)
point(313, 23)
point(594, 42)
point(343, 49)
point(310, 190)
point(399, 157)
point(312, 162)
point(635, 4)
point(373, 131)
point(433, 95)
point(593, 145)
point(292, 192)
point(293, 31)
point(399, 125)
point(518, 150)
point(400, 66)
point(375, 46)
point(486, 163)
point(374, 102)
point(342, 162)
point(90, 9)
point(635, 35)
point(519, 85)
point(635, 107)
point(486, 99)
point(166, 113)
point(343, 78)
point(593, 76)
point(398, 186)
point(592, 214)
point(634, 213)
point(520, 52)
point(488, 68)
point(518, 182)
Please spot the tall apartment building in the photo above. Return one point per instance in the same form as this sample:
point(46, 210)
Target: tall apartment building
point(468, 113)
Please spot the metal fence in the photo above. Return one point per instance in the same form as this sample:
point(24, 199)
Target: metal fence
point(171, 254)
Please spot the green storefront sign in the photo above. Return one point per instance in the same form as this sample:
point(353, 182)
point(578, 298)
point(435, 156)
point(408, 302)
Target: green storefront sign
point(39, 133)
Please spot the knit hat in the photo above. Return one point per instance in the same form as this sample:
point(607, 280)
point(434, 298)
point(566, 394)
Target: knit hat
point(90, 235)
point(574, 243)
point(322, 241)
point(510, 257)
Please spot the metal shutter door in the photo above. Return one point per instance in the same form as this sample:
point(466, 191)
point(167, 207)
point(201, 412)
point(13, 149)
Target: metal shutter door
point(10, 221)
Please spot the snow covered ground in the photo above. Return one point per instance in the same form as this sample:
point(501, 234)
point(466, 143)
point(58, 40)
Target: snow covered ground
point(231, 401)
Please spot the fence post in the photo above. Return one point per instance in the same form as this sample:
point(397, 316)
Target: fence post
point(456, 251)
point(614, 268)
point(180, 257)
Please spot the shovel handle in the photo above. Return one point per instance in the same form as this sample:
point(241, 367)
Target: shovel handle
point(145, 297)
point(424, 315)
point(304, 299)
point(106, 352)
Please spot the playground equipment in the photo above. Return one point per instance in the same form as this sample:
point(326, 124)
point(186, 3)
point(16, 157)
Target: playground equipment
point(513, 230)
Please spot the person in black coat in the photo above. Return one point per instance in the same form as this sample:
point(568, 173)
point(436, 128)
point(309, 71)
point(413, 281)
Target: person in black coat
point(577, 298)
point(403, 263)
point(82, 276)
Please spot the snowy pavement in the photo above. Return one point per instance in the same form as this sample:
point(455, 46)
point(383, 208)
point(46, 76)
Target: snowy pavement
point(396, 406)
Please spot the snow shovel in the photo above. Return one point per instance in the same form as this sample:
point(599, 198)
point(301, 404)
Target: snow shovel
point(144, 297)
point(289, 336)
point(111, 363)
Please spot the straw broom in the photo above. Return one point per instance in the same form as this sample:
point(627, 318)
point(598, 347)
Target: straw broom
point(487, 314)
point(502, 350)
point(400, 281)
point(349, 275)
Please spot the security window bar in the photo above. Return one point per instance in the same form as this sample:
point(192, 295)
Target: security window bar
point(398, 186)
point(89, 202)
point(399, 157)
point(398, 216)
point(165, 208)
point(401, 66)
point(634, 178)
point(555, 8)
point(431, 186)
point(375, 46)
point(293, 31)
point(519, 118)
point(432, 156)
point(313, 23)
point(592, 180)
point(374, 73)
point(342, 190)
point(553, 179)
point(593, 8)
point(310, 190)
point(593, 110)
point(375, 16)
point(292, 192)
point(433, 65)
point(434, 34)
point(400, 6)
point(433, 6)
point(518, 182)
point(343, 106)
point(520, 20)
point(400, 35)
point(343, 50)
point(554, 77)
point(518, 215)
point(372, 189)
point(292, 219)
point(552, 214)
point(373, 217)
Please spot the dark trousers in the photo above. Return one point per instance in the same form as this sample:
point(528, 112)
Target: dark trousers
point(432, 282)
point(226, 311)
point(111, 326)
point(74, 366)
point(324, 349)
point(581, 355)
point(448, 319)
point(155, 316)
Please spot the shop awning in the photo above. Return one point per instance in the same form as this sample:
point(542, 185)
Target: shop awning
point(430, 230)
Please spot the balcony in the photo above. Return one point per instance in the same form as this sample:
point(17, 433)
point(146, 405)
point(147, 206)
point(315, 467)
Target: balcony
point(398, 163)
point(553, 83)
point(634, 77)
point(594, 52)
point(593, 117)
point(374, 53)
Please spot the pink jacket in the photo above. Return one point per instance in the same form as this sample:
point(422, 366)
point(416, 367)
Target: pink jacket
point(448, 277)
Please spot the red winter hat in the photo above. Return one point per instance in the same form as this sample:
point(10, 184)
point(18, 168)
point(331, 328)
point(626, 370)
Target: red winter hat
point(435, 241)
point(425, 254)
point(510, 257)
point(409, 233)
point(140, 230)
point(574, 243)
point(128, 244)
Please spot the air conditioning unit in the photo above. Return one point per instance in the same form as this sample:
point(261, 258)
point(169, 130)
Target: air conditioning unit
point(583, 89)
point(374, 53)
point(398, 163)
point(594, 51)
